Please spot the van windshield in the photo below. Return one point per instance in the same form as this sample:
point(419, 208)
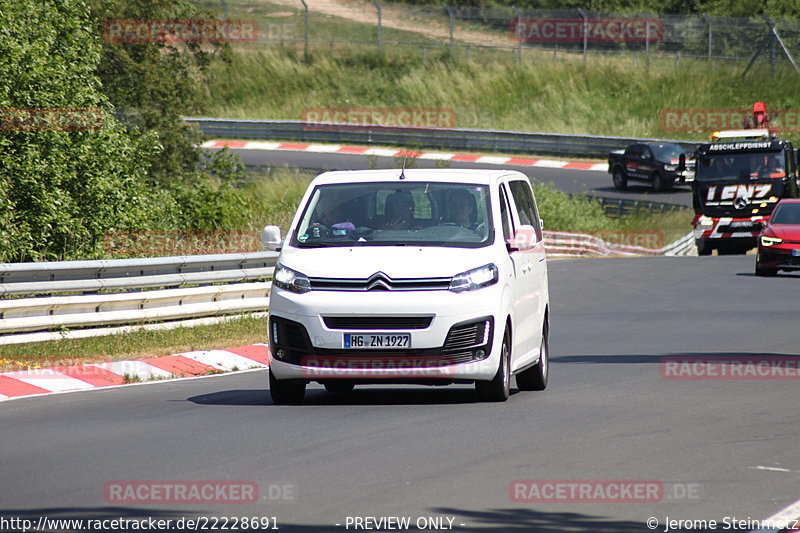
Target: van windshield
point(396, 214)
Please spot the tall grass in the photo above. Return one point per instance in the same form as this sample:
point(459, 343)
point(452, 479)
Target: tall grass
point(606, 96)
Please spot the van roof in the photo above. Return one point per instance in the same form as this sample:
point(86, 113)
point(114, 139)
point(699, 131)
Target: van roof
point(449, 175)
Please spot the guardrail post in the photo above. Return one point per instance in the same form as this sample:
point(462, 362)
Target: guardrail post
point(452, 23)
point(710, 37)
point(378, 9)
point(305, 29)
point(584, 33)
point(518, 33)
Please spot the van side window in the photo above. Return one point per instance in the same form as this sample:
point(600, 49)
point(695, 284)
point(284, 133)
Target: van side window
point(504, 215)
point(526, 207)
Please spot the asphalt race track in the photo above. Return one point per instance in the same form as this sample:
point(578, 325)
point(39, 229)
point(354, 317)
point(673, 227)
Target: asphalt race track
point(567, 180)
point(720, 448)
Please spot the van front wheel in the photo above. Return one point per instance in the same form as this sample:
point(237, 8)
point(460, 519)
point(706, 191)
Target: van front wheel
point(499, 388)
point(535, 378)
point(285, 392)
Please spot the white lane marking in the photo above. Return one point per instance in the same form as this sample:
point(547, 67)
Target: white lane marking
point(549, 163)
point(382, 152)
point(48, 379)
point(125, 385)
point(324, 148)
point(135, 369)
point(771, 468)
point(223, 360)
point(437, 155)
point(493, 160)
point(259, 145)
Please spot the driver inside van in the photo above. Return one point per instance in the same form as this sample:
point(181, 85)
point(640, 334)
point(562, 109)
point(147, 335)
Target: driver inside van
point(462, 209)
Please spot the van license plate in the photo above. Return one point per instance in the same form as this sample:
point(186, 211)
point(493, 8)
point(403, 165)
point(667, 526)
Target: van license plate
point(377, 341)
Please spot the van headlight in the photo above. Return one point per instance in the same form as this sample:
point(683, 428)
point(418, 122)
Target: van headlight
point(474, 279)
point(769, 241)
point(290, 280)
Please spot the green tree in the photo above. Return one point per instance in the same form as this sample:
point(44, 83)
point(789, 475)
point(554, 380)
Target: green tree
point(68, 171)
point(152, 84)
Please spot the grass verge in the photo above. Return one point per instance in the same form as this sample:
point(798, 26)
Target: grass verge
point(606, 96)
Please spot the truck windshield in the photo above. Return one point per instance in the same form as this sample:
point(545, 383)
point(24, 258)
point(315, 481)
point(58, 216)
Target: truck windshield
point(669, 153)
point(741, 166)
point(396, 214)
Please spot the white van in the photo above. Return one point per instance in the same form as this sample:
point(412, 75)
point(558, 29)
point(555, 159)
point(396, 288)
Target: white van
point(410, 276)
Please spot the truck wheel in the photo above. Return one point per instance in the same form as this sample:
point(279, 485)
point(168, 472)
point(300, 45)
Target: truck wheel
point(620, 178)
point(703, 248)
point(661, 183)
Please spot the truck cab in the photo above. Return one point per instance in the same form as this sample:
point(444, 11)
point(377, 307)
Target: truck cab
point(740, 176)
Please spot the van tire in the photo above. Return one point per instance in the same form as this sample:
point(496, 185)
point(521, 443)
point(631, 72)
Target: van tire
point(285, 392)
point(535, 378)
point(499, 388)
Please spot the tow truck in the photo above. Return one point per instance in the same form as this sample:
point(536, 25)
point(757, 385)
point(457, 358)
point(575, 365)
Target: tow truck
point(739, 177)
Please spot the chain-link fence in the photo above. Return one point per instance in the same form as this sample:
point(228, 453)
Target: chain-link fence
point(427, 29)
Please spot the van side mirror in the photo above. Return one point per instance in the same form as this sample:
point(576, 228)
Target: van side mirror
point(271, 238)
point(682, 163)
point(541, 223)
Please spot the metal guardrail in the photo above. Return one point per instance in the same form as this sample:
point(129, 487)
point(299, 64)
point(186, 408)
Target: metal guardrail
point(435, 138)
point(183, 298)
point(187, 290)
point(622, 206)
point(563, 244)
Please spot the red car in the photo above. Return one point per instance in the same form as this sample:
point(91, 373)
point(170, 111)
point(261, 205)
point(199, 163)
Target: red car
point(779, 241)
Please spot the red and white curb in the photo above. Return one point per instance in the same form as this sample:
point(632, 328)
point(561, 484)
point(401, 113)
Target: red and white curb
point(391, 152)
point(95, 375)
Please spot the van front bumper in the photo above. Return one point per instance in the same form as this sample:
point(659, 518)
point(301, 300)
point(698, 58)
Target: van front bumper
point(460, 343)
